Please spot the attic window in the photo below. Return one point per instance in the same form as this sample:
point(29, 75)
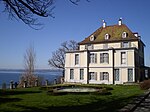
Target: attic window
point(124, 34)
point(92, 38)
point(107, 36)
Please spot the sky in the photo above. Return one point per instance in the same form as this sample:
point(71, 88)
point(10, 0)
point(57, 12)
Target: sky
point(71, 22)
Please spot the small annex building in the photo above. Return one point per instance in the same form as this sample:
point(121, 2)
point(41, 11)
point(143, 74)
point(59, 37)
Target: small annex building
point(111, 55)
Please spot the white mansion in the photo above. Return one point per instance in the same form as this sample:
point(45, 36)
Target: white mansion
point(110, 55)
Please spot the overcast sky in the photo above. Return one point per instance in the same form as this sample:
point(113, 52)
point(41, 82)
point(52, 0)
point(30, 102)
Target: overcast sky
point(71, 22)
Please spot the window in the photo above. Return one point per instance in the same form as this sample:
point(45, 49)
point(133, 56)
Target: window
point(123, 57)
point(104, 76)
point(105, 46)
point(71, 74)
point(124, 35)
point(130, 75)
point(92, 38)
point(104, 58)
point(89, 46)
point(125, 44)
point(116, 73)
point(93, 58)
point(81, 74)
point(107, 36)
point(76, 59)
point(93, 76)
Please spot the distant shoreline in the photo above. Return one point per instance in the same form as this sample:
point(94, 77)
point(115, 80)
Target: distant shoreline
point(35, 70)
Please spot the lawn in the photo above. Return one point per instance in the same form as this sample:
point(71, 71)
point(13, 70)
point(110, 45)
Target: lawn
point(37, 100)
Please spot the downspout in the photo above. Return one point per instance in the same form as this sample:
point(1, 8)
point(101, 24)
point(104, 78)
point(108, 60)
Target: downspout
point(87, 66)
point(113, 62)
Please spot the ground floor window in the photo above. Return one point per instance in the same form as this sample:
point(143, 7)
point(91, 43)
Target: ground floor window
point(104, 76)
point(71, 74)
point(93, 76)
point(81, 74)
point(116, 74)
point(130, 75)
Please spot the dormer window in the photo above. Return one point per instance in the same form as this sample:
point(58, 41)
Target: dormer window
point(107, 36)
point(124, 34)
point(92, 38)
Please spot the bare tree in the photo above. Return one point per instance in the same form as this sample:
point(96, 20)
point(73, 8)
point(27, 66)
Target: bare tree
point(29, 63)
point(29, 10)
point(58, 57)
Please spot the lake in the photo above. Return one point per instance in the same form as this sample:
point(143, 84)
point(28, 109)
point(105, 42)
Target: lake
point(7, 75)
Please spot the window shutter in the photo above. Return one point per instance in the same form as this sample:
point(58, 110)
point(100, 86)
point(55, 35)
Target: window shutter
point(90, 76)
point(101, 75)
point(101, 58)
point(107, 76)
point(108, 58)
point(95, 58)
point(95, 75)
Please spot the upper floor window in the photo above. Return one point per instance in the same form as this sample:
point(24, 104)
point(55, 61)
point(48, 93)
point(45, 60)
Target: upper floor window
point(93, 58)
point(123, 57)
point(89, 46)
point(104, 58)
point(124, 34)
point(125, 44)
point(105, 46)
point(76, 59)
point(107, 36)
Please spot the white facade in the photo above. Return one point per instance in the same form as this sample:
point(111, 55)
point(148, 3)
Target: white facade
point(102, 62)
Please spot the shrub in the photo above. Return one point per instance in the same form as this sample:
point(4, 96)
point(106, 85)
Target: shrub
point(145, 84)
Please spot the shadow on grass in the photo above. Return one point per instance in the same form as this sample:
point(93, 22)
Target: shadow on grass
point(15, 92)
point(99, 106)
point(6, 100)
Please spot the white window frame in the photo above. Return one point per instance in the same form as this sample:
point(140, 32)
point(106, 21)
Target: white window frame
point(104, 76)
point(92, 38)
point(93, 58)
point(71, 74)
point(105, 46)
point(115, 71)
point(76, 59)
point(89, 47)
point(92, 75)
point(124, 34)
point(125, 44)
point(107, 36)
point(104, 58)
point(123, 58)
point(130, 80)
point(81, 74)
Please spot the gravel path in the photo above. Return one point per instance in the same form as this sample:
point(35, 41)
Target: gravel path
point(144, 106)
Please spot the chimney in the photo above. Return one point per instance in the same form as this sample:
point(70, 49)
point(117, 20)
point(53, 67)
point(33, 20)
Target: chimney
point(104, 24)
point(120, 21)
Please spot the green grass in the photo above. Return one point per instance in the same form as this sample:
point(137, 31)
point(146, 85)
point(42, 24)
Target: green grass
point(36, 100)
